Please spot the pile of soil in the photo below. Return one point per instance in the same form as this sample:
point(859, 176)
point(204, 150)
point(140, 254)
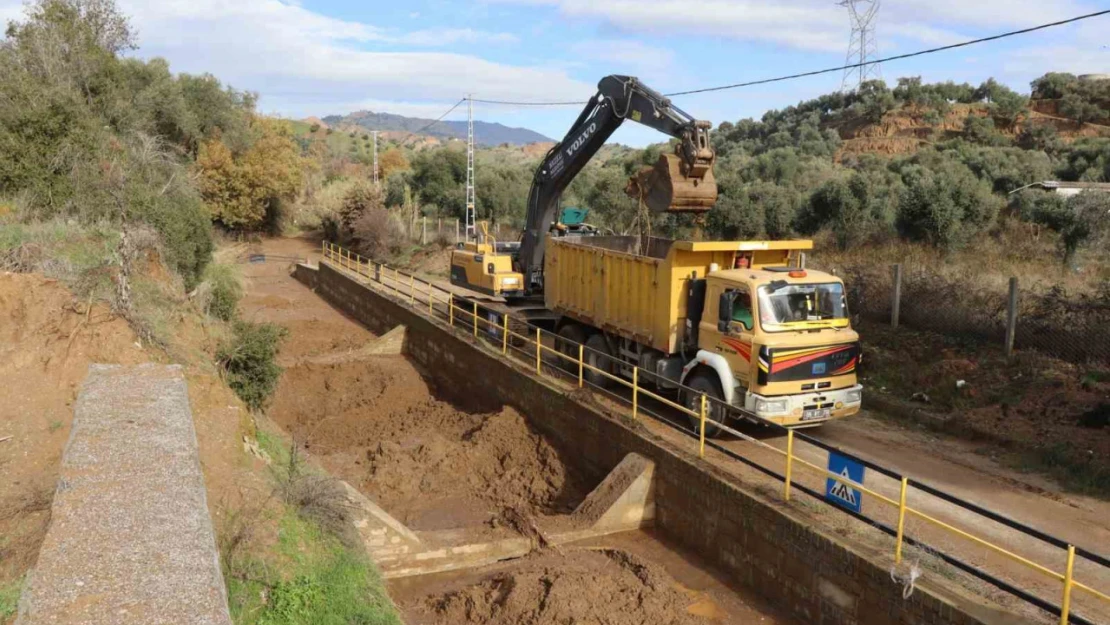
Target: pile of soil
point(603, 586)
point(375, 423)
point(47, 341)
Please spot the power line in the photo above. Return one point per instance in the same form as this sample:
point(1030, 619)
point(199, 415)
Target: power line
point(564, 103)
point(437, 120)
point(841, 68)
point(894, 58)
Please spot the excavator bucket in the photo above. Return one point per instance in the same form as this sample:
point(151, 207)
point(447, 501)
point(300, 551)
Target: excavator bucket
point(667, 188)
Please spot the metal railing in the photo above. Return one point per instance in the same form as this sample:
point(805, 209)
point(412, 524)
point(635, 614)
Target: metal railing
point(580, 365)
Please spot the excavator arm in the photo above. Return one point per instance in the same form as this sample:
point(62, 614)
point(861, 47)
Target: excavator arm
point(679, 182)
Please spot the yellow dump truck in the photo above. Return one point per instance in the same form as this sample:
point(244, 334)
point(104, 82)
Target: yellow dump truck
point(741, 321)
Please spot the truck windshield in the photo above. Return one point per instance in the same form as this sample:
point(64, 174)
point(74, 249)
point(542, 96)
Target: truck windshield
point(797, 305)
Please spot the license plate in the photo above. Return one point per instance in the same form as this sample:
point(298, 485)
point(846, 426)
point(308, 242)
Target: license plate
point(814, 415)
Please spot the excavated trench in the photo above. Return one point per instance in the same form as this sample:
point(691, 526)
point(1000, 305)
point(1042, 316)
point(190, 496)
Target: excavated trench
point(476, 470)
point(376, 424)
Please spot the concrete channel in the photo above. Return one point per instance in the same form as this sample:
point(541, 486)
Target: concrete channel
point(773, 551)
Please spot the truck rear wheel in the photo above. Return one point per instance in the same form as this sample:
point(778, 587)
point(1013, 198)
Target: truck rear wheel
point(706, 382)
point(571, 335)
point(600, 359)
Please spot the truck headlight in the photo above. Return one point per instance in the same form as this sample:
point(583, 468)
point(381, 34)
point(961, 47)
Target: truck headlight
point(770, 405)
point(853, 397)
point(509, 281)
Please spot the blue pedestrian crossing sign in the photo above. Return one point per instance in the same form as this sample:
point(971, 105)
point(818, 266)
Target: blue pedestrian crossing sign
point(842, 494)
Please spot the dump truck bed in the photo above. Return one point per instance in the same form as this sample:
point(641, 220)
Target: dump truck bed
point(636, 290)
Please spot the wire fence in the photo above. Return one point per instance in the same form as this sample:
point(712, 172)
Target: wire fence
point(913, 514)
point(1070, 326)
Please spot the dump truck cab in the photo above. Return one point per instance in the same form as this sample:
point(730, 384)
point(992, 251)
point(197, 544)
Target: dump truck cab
point(780, 336)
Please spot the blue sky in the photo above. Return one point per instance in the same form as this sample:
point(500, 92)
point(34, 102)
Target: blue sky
point(319, 57)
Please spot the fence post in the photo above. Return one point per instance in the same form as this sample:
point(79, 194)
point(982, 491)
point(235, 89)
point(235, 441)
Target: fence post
point(789, 464)
point(539, 353)
point(635, 392)
point(451, 310)
point(901, 521)
point(1065, 605)
point(896, 298)
point(1011, 317)
point(581, 365)
point(412, 291)
point(505, 334)
point(431, 308)
point(378, 273)
point(474, 312)
point(701, 444)
point(802, 260)
point(424, 231)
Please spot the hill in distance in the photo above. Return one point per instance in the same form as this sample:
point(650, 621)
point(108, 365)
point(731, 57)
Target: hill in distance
point(485, 133)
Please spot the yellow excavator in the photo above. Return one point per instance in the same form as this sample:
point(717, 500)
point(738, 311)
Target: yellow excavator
point(486, 266)
point(681, 182)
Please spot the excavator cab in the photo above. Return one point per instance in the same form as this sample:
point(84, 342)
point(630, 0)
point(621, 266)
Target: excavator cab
point(486, 266)
point(681, 182)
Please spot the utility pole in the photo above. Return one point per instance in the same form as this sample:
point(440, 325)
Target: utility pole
point(863, 48)
point(471, 229)
point(377, 182)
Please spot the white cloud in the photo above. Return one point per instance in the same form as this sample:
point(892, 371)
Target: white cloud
point(817, 25)
point(624, 56)
point(448, 36)
point(303, 62)
point(8, 12)
point(1083, 53)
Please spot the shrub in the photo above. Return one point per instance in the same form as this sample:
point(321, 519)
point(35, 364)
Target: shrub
point(221, 290)
point(1079, 219)
point(845, 206)
point(944, 207)
point(376, 234)
point(357, 200)
point(982, 131)
point(247, 359)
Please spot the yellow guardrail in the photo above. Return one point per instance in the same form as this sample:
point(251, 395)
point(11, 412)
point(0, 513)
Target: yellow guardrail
point(441, 304)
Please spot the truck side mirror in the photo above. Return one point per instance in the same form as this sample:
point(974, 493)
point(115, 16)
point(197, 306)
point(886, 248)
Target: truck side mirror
point(724, 311)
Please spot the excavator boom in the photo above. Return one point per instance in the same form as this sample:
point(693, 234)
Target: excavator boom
point(681, 182)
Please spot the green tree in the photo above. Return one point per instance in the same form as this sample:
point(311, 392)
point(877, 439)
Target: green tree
point(944, 207)
point(439, 177)
point(982, 131)
point(245, 191)
point(843, 205)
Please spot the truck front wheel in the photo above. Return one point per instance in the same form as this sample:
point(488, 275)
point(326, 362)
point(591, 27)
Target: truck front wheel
point(706, 382)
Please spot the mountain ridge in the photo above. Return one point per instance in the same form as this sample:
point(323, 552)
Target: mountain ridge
point(485, 133)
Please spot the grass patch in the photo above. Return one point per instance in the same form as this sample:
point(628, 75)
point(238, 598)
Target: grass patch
point(1075, 470)
point(316, 580)
point(9, 598)
point(314, 572)
point(220, 291)
point(80, 255)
